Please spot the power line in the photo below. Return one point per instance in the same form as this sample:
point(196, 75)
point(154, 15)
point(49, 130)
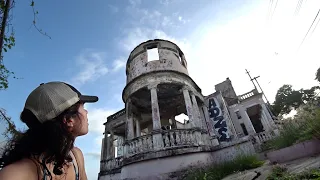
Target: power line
point(269, 10)
point(315, 26)
point(296, 12)
point(274, 9)
point(309, 30)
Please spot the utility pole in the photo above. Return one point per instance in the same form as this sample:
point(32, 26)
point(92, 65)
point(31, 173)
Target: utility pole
point(251, 79)
point(255, 79)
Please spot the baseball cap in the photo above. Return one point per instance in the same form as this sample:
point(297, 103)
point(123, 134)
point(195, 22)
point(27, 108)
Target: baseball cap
point(50, 99)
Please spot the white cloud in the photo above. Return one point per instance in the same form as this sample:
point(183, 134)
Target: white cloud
point(135, 36)
point(135, 2)
point(91, 65)
point(166, 2)
point(98, 116)
point(224, 47)
point(94, 155)
point(221, 50)
point(166, 21)
point(118, 64)
point(113, 8)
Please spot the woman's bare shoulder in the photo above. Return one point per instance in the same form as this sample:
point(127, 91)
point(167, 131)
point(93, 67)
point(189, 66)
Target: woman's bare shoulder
point(23, 169)
point(78, 153)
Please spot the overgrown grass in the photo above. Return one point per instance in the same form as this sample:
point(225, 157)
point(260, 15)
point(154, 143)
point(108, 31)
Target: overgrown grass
point(217, 172)
point(297, 131)
point(280, 173)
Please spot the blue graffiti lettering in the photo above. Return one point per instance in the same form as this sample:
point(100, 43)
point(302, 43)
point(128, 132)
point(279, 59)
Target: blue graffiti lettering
point(216, 116)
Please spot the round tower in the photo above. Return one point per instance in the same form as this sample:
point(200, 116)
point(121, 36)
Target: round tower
point(158, 87)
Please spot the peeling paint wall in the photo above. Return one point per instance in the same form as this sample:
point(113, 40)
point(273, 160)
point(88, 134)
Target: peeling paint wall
point(169, 59)
point(157, 169)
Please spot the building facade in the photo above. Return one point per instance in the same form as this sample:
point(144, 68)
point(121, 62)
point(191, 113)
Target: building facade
point(146, 131)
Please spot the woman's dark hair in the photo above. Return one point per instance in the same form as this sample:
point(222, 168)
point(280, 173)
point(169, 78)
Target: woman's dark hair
point(50, 140)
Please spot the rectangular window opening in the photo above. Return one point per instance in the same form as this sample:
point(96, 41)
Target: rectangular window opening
point(238, 114)
point(245, 132)
point(153, 54)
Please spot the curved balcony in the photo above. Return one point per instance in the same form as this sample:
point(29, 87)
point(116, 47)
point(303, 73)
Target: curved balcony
point(111, 165)
point(174, 138)
point(171, 140)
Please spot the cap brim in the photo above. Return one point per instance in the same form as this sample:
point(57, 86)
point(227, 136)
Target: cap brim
point(88, 99)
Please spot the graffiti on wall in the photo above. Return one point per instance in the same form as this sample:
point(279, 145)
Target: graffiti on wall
point(216, 115)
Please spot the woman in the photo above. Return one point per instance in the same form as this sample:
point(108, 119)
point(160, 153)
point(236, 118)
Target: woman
point(55, 116)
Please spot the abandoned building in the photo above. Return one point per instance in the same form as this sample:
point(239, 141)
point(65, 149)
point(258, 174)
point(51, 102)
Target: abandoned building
point(146, 135)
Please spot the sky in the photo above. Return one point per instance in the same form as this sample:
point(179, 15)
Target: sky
point(220, 38)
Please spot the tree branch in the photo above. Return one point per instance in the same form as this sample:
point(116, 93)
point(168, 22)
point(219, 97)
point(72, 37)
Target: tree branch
point(34, 20)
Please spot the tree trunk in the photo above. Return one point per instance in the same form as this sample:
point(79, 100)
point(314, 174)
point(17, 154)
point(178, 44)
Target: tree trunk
point(3, 24)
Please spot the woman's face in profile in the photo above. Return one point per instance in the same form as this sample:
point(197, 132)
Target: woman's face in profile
point(80, 122)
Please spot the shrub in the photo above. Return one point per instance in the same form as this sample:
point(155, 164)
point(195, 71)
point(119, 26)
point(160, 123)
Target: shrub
point(280, 173)
point(217, 172)
point(304, 127)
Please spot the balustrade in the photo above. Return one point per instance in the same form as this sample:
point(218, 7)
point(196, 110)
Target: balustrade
point(171, 138)
point(111, 164)
point(174, 138)
point(247, 95)
point(264, 136)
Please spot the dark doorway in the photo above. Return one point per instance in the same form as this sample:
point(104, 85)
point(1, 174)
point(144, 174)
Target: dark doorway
point(254, 113)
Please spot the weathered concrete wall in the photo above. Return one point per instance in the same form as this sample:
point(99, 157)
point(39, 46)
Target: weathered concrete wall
point(266, 117)
point(230, 151)
point(169, 59)
point(300, 150)
point(161, 77)
point(116, 176)
point(160, 167)
point(235, 119)
point(227, 91)
point(251, 101)
point(244, 119)
point(116, 122)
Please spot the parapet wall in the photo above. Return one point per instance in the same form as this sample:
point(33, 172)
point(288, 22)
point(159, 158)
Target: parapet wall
point(162, 168)
point(171, 58)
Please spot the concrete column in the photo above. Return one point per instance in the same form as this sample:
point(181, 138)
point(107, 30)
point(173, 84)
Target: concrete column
point(138, 130)
point(203, 118)
point(189, 106)
point(247, 121)
point(120, 140)
point(129, 122)
point(268, 116)
point(103, 152)
point(196, 111)
point(265, 122)
point(209, 124)
point(174, 122)
point(111, 147)
point(107, 148)
point(155, 108)
point(157, 137)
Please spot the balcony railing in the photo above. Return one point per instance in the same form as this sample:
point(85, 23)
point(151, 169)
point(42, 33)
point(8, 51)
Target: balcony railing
point(170, 139)
point(111, 164)
point(174, 138)
point(247, 95)
point(262, 137)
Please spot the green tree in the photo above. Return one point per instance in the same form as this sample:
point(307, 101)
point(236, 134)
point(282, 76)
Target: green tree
point(11, 130)
point(318, 75)
point(7, 41)
point(7, 37)
point(288, 99)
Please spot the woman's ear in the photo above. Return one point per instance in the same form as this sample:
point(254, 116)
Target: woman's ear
point(69, 122)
